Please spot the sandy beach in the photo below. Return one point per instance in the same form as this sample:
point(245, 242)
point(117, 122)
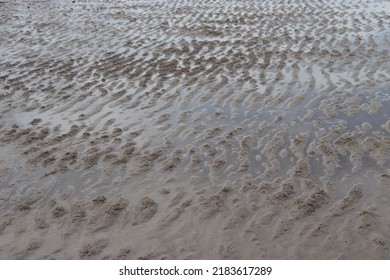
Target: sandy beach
point(188, 129)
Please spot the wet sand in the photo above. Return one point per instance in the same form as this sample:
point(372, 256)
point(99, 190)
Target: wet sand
point(194, 129)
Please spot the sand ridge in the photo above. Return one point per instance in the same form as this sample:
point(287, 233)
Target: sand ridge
point(194, 129)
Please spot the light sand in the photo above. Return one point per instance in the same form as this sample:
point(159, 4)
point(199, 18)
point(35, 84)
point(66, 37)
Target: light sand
point(194, 129)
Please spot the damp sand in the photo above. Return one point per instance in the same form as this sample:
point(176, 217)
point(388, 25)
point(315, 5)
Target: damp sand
point(194, 129)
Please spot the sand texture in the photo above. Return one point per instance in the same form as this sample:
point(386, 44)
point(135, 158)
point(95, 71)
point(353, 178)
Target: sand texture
point(195, 129)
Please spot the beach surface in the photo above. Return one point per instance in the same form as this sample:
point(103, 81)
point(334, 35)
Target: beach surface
point(194, 129)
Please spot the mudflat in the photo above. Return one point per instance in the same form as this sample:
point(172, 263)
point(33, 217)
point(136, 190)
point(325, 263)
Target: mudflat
point(194, 129)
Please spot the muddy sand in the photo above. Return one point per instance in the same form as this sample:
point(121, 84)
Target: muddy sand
point(194, 129)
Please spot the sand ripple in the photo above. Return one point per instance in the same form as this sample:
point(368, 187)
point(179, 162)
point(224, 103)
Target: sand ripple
point(194, 129)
